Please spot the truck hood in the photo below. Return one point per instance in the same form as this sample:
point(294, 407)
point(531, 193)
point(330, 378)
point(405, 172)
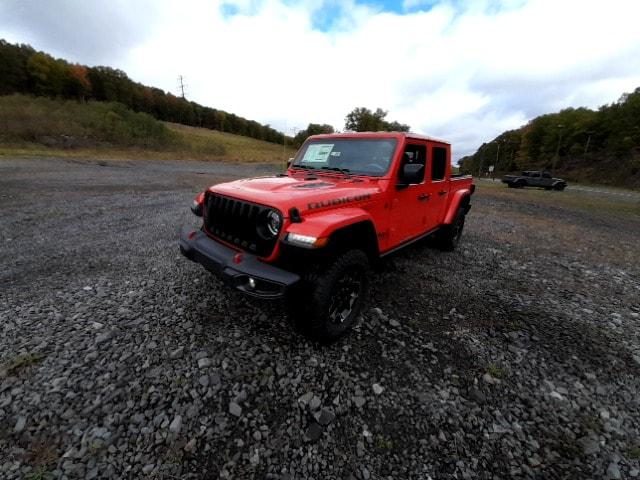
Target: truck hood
point(320, 192)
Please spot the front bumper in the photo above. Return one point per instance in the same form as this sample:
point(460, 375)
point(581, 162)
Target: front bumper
point(243, 272)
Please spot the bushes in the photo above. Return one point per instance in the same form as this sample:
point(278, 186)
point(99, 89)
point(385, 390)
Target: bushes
point(69, 123)
point(119, 125)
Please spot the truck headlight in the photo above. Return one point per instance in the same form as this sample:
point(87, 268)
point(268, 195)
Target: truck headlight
point(274, 222)
point(269, 224)
point(306, 241)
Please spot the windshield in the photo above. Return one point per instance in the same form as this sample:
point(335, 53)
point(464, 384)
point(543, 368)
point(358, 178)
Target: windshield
point(348, 155)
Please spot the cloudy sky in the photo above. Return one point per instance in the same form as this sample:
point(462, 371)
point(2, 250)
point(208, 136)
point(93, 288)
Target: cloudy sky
point(455, 69)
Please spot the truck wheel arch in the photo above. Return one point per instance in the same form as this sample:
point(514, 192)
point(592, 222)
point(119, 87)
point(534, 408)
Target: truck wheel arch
point(462, 199)
point(344, 227)
point(359, 235)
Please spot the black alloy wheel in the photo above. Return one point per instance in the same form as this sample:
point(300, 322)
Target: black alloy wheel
point(330, 297)
point(347, 291)
point(457, 228)
point(449, 236)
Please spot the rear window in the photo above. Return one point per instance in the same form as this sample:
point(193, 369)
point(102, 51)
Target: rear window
point(438, 163)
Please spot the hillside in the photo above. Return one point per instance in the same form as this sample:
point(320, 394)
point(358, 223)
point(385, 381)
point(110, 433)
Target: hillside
point(27, 71)
point(236, 147)
point(39, 125)
point(589, 146)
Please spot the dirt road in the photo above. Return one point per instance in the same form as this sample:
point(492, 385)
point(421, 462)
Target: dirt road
point(518, 356)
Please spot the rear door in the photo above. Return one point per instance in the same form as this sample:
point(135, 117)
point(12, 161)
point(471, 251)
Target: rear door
point(408, 208)
point(437, 184)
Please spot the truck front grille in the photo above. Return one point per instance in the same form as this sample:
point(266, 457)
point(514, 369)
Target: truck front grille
point(236, 221)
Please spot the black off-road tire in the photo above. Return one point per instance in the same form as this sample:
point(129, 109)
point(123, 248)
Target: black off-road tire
point(449, 236)
point(518, 184)
point(559, 187)
point(329, 299)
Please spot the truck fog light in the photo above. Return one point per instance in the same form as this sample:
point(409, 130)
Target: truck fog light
point(251, 284)
point(196, 208)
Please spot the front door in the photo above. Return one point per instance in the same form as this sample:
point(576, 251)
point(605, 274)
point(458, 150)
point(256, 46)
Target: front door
point(535, 180)
point(408, 206)
point(546, 181)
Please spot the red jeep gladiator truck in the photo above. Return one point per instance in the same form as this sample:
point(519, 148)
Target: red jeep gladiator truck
point(310, 235)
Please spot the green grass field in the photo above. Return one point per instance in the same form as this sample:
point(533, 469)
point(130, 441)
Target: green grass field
point(32, 126)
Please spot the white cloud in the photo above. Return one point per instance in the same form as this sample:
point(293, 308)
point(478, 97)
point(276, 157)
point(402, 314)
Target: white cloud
point(463, 71)
point(97, 31)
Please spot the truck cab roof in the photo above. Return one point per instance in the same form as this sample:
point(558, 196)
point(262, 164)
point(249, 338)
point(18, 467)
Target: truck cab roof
point(397, 135)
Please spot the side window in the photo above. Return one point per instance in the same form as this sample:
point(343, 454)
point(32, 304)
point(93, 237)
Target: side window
point(438, 164)
point(415, 154)
point(546, 175)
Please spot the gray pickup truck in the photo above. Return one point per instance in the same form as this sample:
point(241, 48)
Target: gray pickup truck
point(534, 179)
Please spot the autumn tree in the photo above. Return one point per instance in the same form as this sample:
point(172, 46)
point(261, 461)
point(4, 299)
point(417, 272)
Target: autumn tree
point(46, 76)
point(78, 84)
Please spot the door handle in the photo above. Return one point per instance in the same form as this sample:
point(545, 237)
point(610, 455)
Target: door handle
point(423, 197)
point(442, 192)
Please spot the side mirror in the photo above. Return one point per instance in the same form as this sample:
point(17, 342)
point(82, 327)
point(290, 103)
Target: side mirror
point(289, 162)
point(411, 173)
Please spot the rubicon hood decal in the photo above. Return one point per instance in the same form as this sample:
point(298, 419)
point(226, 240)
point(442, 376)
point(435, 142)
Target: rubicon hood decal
point(338, 201)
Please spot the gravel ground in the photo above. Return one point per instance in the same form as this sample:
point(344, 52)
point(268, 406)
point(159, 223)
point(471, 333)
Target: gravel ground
point(518, 356)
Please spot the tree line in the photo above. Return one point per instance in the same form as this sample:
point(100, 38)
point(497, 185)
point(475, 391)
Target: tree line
point(27, 71)
point(572, 139)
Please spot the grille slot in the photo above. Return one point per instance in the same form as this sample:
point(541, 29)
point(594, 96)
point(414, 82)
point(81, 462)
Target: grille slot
point(235, 222)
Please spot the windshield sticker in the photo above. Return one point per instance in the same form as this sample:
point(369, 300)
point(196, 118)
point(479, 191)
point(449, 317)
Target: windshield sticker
point(317, 153)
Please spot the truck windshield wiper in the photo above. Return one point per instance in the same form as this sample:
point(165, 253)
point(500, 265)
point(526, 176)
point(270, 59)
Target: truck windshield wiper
point(305, 167)
point(337, 169)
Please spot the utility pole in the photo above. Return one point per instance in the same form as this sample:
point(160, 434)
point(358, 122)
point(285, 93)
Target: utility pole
point(181, 86)
point(493, 174)
point(555, 159)
point(284, 146)
point(586, 147)
point(481, 162)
